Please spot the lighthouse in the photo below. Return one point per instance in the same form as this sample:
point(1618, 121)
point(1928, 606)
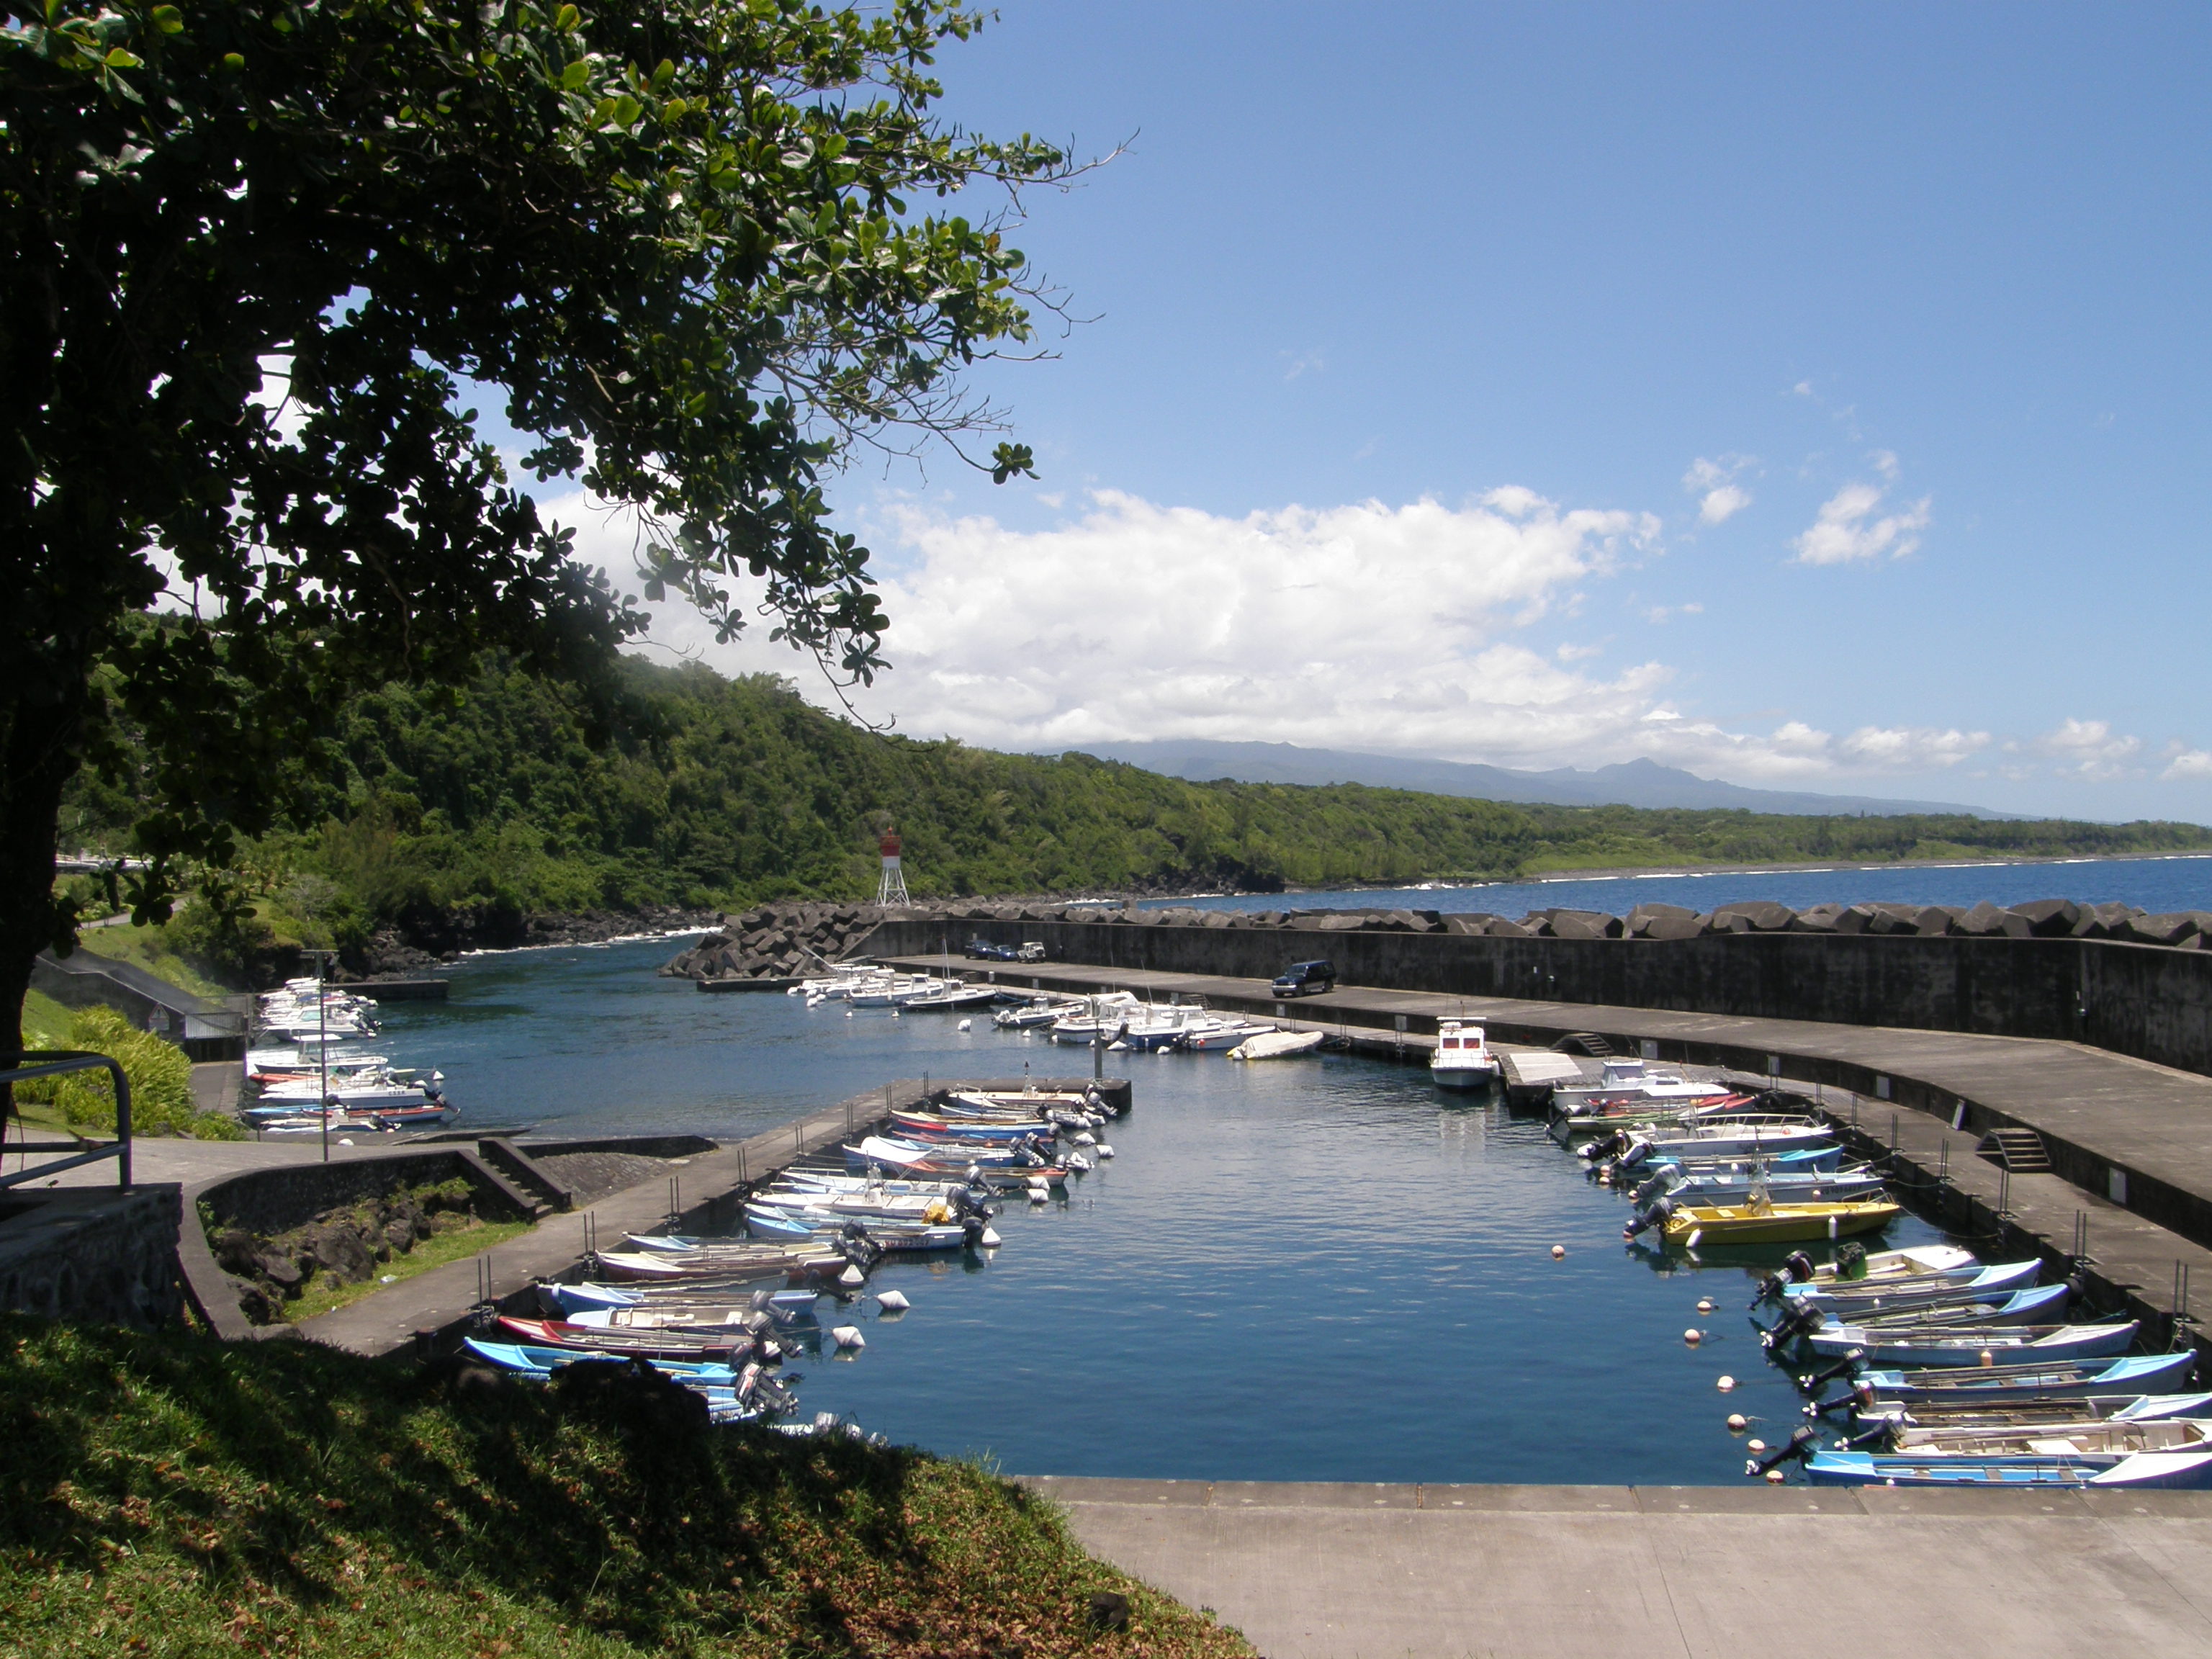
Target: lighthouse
point(891, 889)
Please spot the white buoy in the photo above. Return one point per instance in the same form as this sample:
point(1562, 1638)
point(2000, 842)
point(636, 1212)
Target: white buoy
point(1988, 1359)
point(852, 1276)
point(848, 1336)
point(1694, 1336)
point(1558, 1252)
point(895, 1013)
point(1775, 1478)
point(1754, 1447)
point(892, 1301)
point(345, 1140)
point(966, 1023)
point(849, 1013)
point(1077, 1161)
point(1036, 1196)
point(1738, 1422)
point(1705, 1304)
point(991, 1240)
point(1105, 1151)
point(1085, 1137)
point(1725, 1384)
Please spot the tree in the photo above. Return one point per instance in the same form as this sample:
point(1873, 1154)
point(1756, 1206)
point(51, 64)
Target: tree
point(254, 253)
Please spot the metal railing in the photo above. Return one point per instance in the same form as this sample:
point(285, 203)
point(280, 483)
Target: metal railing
point(57, 1062)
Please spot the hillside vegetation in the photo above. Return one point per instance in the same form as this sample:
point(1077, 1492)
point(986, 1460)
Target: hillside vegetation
point(175, 1495)
point(714, 792)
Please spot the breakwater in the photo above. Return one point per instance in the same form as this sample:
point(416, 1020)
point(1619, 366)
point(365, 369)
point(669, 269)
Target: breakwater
point(2086, 977)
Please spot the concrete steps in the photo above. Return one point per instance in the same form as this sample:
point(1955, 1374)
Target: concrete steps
point(2021, 1150)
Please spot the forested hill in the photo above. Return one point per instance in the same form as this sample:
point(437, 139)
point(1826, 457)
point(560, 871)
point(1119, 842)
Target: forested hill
point(722, 792)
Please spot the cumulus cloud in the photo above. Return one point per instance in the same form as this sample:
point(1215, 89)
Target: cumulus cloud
point(1910, 749)
point(1851, 525)
point(2089, 749)
point(1418, 628)
point(2188, 763)
point(1720, 498)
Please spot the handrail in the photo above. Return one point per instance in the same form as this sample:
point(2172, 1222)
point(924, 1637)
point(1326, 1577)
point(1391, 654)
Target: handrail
point(55, 1062)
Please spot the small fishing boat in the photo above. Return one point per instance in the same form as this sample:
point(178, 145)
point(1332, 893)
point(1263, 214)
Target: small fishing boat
point(1905, 1416)
point(943, 1155)
point(2044, 1302)
point(1966, 1345)
point(786, 1308)
point(1461, 1060)
point(721, 1342)
point(1880, 1295)
point(1854, 1265)
point(2080, 1438)
point(1738, 1135)
point(950, 998)
point(898, 1237)
point(542, 1357)
point(2182, 1471)
point(1099, 1018)
point(1734, 1184)
point(1037, 1011)
point(917, 1126)
point(1758, 1220)
point(1277, 1045)
point(2032, 1379)
point(809, 1262)
point(1633, 1082)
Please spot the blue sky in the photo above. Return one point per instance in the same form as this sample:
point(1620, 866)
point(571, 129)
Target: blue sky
point(1813, 397)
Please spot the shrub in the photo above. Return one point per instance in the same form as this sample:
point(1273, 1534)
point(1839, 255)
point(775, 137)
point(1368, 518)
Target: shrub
point(159, 1075)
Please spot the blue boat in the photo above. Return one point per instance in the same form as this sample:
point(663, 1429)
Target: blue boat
point(531, 1359)
point(1729, 1183)
point(1965, 1345)
point(2133, 1374)
point(1872, 1296)
point(2169, 1471)
point(788, 1307)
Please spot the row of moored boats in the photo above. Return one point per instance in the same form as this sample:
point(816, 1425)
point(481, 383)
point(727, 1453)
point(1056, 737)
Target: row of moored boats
point(313, 1069)
point(721, 1314)
point(1922, 1366)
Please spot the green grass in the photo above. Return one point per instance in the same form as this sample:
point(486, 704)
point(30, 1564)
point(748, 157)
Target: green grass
point(323, 1295)
point(150, 948)
point(176, 1497)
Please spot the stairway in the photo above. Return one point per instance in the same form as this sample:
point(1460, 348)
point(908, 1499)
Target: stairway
point(1587, 1043)
point(2021, 1150)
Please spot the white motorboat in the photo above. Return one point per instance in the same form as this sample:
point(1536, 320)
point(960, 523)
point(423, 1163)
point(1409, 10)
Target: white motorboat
point(1038, 1011)
point(1628, 1084)
point(1463, 1059)
point(1103, 1015)
point(1277, 1045)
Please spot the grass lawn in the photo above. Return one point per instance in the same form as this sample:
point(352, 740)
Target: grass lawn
point(149, 948)
point(173, 1495)
point(322, 1296)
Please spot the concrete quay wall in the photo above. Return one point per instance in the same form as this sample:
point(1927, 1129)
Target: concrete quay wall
point(2144, 1000)
point(92, 1253)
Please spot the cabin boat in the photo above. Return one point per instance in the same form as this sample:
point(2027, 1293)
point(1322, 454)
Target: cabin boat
point(1461, 1060)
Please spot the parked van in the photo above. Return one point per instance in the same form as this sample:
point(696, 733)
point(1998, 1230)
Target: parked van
point(1306, 979)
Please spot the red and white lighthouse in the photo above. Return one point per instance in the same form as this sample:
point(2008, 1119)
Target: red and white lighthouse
point(891, 889)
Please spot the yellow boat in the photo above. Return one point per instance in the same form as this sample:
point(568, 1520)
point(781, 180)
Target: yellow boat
point(1759, 1221)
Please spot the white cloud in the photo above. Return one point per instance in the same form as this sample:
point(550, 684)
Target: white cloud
point(2189, 763)
point(1720, 498)
point(1910, 749)
point(2089, 749)
point(1847, 528)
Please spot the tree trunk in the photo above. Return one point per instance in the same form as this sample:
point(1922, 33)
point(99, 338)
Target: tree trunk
point(42, 746)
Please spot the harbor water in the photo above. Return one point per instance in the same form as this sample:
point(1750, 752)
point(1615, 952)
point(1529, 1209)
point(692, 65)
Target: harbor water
point(1319, 1269)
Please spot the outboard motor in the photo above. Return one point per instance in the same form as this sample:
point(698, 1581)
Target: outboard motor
point(1655, 1217)
point(1663, 1178)
point(1604, 1147)
point(1847, 1366)
point(1800, 1321)
point(859, 1249)
point(1850, 1260)
point(1796, 1269)
point(1800, 1445)
point(968, 1203)
point(1883, 1434)
point(1635, 1156)
point(1859, 1398)
point(971, 1231)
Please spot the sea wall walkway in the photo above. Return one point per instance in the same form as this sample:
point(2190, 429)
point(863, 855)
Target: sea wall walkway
point(1597, 1572)
point(2130, 1142)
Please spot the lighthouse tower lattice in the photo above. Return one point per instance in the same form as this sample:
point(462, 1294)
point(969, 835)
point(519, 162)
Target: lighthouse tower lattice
point(891, 889)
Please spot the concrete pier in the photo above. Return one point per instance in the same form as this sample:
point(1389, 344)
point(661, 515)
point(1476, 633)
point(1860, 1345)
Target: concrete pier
point(1319, 1571)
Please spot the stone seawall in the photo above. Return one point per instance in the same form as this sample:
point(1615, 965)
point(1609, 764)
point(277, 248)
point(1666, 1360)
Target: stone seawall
point(2153, 1002)
point(92, 1253)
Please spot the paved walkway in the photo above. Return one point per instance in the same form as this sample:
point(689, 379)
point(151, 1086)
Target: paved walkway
point(1603, 1572)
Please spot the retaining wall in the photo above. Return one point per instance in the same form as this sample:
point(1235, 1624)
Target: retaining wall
point(2141, 1000)
point(92, 1253)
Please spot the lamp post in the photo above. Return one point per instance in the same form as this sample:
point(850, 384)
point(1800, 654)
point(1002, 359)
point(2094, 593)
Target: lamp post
point(323, 1045)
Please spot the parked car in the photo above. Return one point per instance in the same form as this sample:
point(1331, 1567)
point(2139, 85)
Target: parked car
point(983, 951)
point(1306, 979)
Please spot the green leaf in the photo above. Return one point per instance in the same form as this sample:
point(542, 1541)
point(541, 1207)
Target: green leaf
point(167, 18)
point(118, 58)
point(577, 75)
point(626, 111)
point(566, 19)
point(232, 60)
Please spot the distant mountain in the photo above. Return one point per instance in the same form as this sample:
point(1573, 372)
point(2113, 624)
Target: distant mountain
point(1628, 783)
